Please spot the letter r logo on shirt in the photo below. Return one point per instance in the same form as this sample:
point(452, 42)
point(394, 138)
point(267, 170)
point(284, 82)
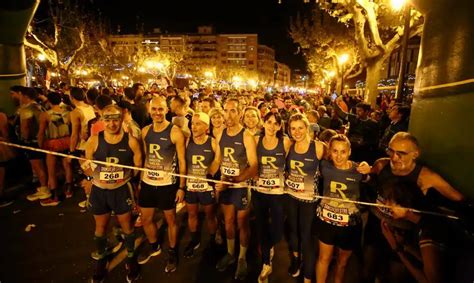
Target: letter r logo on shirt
point(198, 159)
point(228, 152)
point(268, 160)
point(155, 150)
point(297, 165)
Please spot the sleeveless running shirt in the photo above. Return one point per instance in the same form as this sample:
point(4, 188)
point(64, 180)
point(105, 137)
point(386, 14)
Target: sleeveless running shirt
point(160, 155)
point(89, 114)
point(110, 177)
point(234, 155)
point(339, 184)
point(302, 174)
point(385, 176)
point(198, 159)
point(271, 168)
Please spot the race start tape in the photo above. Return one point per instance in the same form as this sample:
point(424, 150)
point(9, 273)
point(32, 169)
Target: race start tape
point(219, 181)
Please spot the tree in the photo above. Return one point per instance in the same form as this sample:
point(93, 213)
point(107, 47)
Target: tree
point(377, 31)
point(322, 40)
point(60, 37)
point(164, 63)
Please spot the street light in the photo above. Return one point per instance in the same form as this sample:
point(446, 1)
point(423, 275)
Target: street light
point(342, 60)
point(41, 57)
point(397, 5)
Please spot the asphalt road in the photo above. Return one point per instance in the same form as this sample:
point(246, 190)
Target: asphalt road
point(58, 249)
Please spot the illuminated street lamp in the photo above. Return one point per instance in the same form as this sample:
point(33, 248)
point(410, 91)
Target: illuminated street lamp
point(342, 60)
point(41, 57)
point(397, 5)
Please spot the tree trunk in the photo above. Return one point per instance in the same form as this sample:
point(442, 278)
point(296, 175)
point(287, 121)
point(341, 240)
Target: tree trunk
point(374, 68)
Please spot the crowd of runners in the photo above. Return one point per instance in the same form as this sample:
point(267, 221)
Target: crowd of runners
point(294, 160)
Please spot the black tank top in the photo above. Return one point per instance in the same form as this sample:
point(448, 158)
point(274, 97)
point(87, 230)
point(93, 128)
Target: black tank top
point(271, 168)
point(198, 159)
point(386, 176)
point(110, 177)
point(160, 155)
point(302, 174)
point(234, 154)
point(340, 184)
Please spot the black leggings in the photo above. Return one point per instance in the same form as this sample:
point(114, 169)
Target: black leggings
point(300, 217)
point(269, 215)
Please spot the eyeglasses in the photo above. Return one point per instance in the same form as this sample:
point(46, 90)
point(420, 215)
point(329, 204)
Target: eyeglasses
point(398, 153)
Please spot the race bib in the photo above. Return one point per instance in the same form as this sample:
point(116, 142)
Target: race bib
point(295, 186)
point(269, 182)
point(197, 186)
point(339, 218)
point(155, 175)
point(230, 171)
point(111, 176)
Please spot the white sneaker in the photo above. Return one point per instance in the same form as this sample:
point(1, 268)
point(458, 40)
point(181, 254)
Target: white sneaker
point(41, 193)
point(266, 271)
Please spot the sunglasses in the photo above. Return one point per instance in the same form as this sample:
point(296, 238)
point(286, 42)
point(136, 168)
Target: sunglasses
point(398, 153)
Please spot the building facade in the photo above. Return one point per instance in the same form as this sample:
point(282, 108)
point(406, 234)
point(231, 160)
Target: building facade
point(209, 51)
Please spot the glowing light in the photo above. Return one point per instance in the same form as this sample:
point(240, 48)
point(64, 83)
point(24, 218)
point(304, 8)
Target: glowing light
point(252, 83)
point(397, 5)
point(125, 77)
point(84, 73)
point(343, 58)
point(208, 74)
point(142, 70)
point(41, 57)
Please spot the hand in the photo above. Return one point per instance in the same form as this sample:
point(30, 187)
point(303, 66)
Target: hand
point(220, 187)
point(87, 186)
point(179, 196)
point(364, 168)
point(389, 236)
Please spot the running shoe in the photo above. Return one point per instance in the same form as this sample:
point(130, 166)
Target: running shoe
point(50, 202)
point(83, 204)
point(295, 266)
point(266, 271)
point(241, 271)
point(41, 193)
point(133, 270)
point(100, 271)
point(172, 261)
point(148, 252)
point(190, 248)
point(225, 262)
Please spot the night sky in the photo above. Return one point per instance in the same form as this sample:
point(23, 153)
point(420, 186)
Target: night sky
point(267, 18)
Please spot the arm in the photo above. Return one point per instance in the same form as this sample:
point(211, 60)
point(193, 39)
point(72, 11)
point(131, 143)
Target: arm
point(429, 179)
point(251, 152)
point(177, 137)
point(43, 124)
point(321, 150)
point(379, 164)
point(25, 120)
point(137, 153)
point(91, 147)
point(287, 145)
point(214, 167)
point(75, 130)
